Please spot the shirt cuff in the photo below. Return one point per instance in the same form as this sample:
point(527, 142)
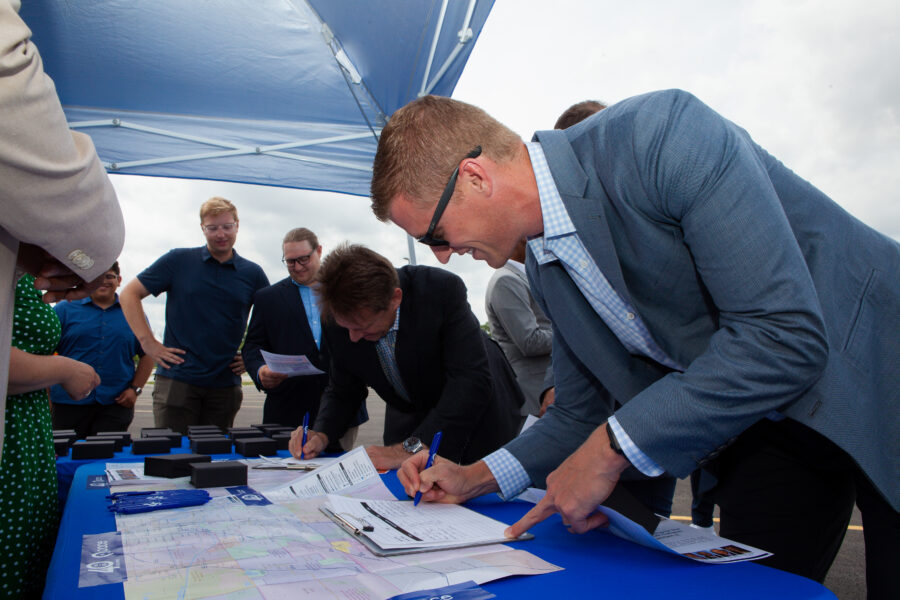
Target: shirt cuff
point(508, 472)
point(641, 461)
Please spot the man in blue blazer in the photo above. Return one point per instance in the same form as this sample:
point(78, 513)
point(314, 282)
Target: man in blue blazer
point(711, 309)
point(286, 320)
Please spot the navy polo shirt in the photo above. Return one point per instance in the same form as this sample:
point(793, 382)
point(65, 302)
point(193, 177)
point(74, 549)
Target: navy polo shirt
point(207, 305)
point(101, 338)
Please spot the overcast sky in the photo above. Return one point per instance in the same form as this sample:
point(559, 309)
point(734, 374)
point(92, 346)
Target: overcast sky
point(815, 83)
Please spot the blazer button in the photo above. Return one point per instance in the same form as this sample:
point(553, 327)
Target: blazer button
point(80, 259)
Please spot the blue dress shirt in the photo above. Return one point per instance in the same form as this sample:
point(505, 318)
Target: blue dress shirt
point(101, 338)
point(207, 305)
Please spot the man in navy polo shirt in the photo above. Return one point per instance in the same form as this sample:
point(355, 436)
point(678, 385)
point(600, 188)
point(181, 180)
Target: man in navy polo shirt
point(209, 294)
point(94, 331)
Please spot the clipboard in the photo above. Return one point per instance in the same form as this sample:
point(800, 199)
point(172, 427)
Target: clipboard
point(357, 530)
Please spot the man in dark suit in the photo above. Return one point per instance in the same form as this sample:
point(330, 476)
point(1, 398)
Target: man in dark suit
point(711, 309)
point(286, 320)
point(410, 335)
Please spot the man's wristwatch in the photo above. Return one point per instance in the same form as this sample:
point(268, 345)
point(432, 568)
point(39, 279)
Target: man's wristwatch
point(412, 445)
point(137, 389)
point(613, 442)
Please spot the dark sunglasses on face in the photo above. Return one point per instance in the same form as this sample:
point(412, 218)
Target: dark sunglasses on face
point(428, 239)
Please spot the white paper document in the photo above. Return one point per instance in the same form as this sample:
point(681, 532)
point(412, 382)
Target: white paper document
point(352, 474)
point(290, 364)
point(397, 524)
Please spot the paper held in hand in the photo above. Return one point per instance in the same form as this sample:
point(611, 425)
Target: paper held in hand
point(389, 527)
point(290, 364)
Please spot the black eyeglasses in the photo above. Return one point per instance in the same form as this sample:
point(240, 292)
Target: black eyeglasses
point(428, 239)
point(303, 260)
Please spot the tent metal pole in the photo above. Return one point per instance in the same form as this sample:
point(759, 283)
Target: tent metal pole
point(434, 41)
point(465, 35)
point(412, 249)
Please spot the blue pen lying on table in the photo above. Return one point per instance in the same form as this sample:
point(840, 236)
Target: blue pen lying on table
point(127, 503)
point(435, 442)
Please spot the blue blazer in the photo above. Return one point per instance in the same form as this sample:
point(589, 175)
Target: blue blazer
point(772, 296)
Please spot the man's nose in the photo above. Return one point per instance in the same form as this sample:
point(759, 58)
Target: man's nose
point(442, 253)
point(355, 336)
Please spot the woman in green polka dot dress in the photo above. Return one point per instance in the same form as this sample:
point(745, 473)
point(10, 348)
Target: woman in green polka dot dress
point(28, 485)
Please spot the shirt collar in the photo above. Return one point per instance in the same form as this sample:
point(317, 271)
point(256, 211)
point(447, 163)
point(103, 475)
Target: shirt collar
point(556, 220)
point(396, 325)
point(514, 264)
point(205, 255)
point(88, 300)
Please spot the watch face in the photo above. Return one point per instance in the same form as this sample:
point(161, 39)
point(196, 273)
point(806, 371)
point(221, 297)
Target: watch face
point(412, 445)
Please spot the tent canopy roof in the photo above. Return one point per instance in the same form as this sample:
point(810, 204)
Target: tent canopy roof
point(278, 92)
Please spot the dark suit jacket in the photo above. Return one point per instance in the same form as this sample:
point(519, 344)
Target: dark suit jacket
point(771, 295)
point(457, 379)
point(279, 324)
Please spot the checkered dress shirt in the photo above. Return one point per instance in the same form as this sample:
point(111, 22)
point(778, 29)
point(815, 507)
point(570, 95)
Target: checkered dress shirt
point(560, 242)
point(384, 347)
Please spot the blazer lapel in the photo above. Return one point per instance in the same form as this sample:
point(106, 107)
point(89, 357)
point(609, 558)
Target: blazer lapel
point(586, 213)
point(295, 312)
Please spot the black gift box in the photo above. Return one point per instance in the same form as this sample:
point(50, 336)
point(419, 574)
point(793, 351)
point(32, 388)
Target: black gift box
point(237, 433)
point(122, 434)
point(218, 474)
point(118, 441)
point(211, 445)
point(65, 434)
point(101, 449)
point(256, 446)
point(282, 440)
point(154, 431)
point(61, 446)
point(199, 427)
point(172, 465)
point(279, 429)
point(264, 426)
point(151, 445)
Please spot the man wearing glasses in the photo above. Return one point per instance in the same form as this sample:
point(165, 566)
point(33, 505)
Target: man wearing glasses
point(209, 292)
point(711, 309)
point(286, 320)
point(94, 332)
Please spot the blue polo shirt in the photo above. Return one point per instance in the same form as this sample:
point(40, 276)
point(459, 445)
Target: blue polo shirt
point(207, 305)
point(101, 338)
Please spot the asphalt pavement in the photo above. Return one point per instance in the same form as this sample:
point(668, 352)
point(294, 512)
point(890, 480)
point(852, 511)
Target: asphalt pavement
point(846, 578)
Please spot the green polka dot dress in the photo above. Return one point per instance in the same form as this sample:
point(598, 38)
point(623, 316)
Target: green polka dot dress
point(28, 485)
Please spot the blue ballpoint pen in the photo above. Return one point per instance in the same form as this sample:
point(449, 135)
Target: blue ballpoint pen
point(305, 431)
point(435, 442)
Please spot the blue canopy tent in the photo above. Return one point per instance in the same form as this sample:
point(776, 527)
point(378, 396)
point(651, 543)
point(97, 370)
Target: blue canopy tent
point(289, 93)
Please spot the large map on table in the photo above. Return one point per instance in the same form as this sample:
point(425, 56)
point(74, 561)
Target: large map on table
point(231, 550)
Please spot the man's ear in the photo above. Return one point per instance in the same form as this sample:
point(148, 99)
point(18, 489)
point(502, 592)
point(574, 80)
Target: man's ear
point(396, 298)
point(476, 176)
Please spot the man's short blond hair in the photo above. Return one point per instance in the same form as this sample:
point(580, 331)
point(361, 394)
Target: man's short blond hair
point(216, 206)
point(301, 234)
point(424, 141)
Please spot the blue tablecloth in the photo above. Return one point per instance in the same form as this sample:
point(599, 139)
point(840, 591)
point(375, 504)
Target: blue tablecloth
point(597, 564)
